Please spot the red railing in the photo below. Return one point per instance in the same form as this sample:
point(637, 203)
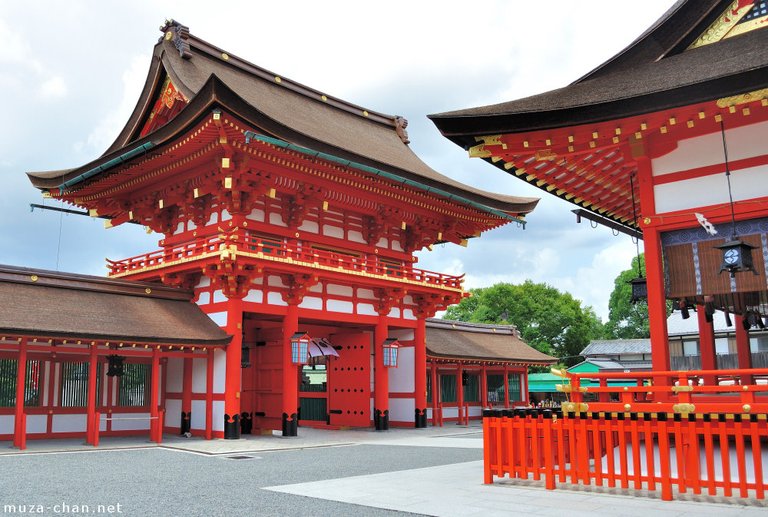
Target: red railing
point(671, 432)
point(281, 251)
point(721, 455)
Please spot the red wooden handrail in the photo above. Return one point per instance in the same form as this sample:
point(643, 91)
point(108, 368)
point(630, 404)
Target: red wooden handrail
point(250, 243)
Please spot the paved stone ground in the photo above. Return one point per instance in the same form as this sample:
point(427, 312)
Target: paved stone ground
point(435, 471)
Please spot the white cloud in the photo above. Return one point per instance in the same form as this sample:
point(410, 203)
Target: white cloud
point(53, 88)
point(110, 126)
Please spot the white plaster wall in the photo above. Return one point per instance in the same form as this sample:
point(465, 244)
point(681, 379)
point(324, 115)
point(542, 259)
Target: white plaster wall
point(309, 226)
point(218, 296)
point(402, 334)
point(394, 313)
point(204, 298)
point(198, 414)
point(333, 231)
point(700, 151)
point(255, 296)
point(199, 368)
point(340, 306)
point(204, 282)
point(219, 370)
point(396, 245)
point(366, 294)
point(408, 314)
point(6, 424)
point(37, 423)
point(275, 281)
point(312, 302)
point(475, 411)
point(401, 379)
point(136, 422)
point(191, 225)
point(218, 415)
point(356, 237)
point(276, 219)
point(317, 288)
point(175, 380)
point(220, 318)
point(68, 423)
point(402, 410)
point(173, 412)
point(339, 290)
point(225, 216)
point(366, 309)
point(274, 298)
point(450, 412)
point(709, 190)
point(256, 215)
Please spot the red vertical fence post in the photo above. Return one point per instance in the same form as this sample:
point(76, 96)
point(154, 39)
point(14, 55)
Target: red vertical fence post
point(547, 440)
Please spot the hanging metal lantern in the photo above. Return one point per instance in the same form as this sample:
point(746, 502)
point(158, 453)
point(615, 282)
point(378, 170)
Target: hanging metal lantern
point(390, 352)
point(115, 365)
point(300, 347)
point(737, 257)
point(639, 289)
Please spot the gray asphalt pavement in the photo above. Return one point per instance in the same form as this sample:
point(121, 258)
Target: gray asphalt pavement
point(166, 482)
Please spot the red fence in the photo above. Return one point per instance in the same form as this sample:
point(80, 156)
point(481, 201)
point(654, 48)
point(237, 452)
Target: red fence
point(677, 432)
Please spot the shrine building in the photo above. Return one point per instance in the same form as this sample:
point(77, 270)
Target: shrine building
point(665, 141)
point(292, 217)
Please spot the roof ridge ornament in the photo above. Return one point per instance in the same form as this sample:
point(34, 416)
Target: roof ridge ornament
point(400, 124)
point(178, 34)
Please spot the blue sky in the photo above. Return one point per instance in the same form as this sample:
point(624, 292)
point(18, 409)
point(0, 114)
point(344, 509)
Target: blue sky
point(71, 72)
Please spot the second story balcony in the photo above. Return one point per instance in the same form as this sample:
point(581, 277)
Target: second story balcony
point(280, 253)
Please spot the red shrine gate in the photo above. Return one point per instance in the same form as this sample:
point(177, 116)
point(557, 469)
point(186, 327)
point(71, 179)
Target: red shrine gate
point(282, 221)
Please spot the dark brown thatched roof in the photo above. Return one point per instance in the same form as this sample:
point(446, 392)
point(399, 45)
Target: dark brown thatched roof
point(475, 341)
point(277, 107)
point(64, 305)
point(654, 73)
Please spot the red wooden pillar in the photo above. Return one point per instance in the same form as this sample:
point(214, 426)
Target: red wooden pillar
point(459, 394)
point(742, 348)
point(435, 394)
point(706, 344)
point(92, 423)
point(155, 428)
point(233, 369)
point(186, 397)
point(484, 386)
point(657, 303)
point(290, 374)
point(20, 427)
point(380, 377)
point(209, 395)
point(506, 386)
point(420, 373)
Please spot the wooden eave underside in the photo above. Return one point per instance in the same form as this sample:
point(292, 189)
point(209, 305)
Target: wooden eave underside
point(590, 165)
point(172, 171)
point(450, 359)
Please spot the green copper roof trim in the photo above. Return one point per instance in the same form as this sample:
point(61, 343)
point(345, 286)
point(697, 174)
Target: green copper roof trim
point(107, 165)
point(250, 135)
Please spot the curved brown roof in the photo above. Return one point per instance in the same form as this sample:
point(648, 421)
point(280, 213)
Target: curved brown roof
point(286, 110)
point(478, 341)
point(654, 73)
point(65, 305)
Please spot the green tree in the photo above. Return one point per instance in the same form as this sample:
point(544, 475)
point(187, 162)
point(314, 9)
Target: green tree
point(549, 320)
point(627, 320)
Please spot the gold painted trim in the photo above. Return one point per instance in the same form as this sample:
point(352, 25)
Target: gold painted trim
point(742, 98)
point(722, 26)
